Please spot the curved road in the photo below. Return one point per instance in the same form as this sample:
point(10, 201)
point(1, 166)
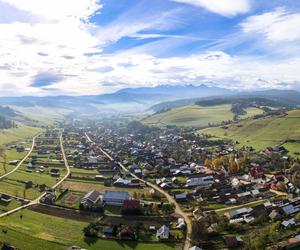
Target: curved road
point(170, 198)
point(37, 200)
point(22, 161)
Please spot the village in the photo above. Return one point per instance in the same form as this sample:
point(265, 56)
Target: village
point(136, 183)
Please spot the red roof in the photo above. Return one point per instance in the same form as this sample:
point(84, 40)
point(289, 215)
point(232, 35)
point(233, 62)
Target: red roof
point(131, 204)
point(256, 171)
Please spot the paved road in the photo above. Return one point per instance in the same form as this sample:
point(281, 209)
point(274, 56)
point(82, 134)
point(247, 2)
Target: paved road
point(22, 161)
point(37, 200)
point(170, 198)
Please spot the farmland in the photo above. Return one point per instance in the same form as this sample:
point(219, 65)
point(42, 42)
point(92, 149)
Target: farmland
point(264, 132)
point(34, 229)
point(196, 116)
point(27, 182)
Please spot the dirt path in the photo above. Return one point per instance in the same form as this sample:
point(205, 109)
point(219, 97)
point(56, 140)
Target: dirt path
point(22, 161)
point(170, 198)
point(37, 200)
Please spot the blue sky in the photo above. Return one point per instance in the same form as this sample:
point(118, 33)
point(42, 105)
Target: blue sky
point(52, 47)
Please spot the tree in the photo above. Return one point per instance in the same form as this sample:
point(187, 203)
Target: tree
point(258, 243)
point(199, 231)
point(280, 186)
point(4, 157)
point(274, 231)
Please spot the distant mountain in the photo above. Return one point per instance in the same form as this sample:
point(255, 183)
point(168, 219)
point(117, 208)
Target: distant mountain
point(283, 98)
point(129, 99)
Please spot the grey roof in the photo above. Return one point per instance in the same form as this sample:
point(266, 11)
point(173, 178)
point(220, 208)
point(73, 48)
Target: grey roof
point(290, 209)
point(116, 195)
point(92, 196)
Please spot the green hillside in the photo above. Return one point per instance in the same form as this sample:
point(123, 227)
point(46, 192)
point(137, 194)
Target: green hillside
point(264, 132)
point(197, 116)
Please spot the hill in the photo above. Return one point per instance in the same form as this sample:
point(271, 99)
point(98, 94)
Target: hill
point(261, 133)
point(279, 98)
point(196, 116)
point(124, 100)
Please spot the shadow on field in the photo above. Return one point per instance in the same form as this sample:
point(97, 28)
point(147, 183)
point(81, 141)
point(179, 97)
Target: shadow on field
point(127, 243)
point(90, 240)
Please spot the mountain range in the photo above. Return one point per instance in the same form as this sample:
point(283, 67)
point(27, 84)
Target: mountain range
point(145, 98)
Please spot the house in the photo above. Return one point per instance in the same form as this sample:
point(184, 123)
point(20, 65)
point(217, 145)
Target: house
point(6, 198)
point(181, 223)
point(127, 232)
point(290, 209)
point(121, 182)
point(181, 197)
point(195, 248)
point(199, 181)
point(163, 233)
point(49, 198)
point(239, 212)
point(115, 198)
point(108, 230)
point(91, 199)
point(131, 204)
point(232, 241)
point(288, 223)
point(55, 172)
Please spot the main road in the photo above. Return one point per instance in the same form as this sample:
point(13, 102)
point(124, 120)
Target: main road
point(37, 200)
point(170, 198)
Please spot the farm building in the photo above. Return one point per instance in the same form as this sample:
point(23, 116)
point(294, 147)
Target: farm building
point(55, 172)
point(6, 198)
point(115, 198)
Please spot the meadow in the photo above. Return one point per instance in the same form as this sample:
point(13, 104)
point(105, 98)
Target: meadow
point(264, 132)
point(32, 230)
point(196, 116)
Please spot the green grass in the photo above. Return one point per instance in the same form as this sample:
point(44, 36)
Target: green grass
point(264, 132)
point(192, 115)
point(197, 116)
point(4, 207)
point(17, 134)
point(40, 231)
point(43, 115)
point(250, 112)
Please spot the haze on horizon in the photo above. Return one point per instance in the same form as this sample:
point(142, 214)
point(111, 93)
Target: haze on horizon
point(87, 47)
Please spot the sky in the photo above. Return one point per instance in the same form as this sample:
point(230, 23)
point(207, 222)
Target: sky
point(90, 47)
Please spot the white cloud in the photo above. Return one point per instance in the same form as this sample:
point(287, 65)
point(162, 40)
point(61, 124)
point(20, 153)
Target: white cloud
point(227, 8)
point(52, 38)
point(276, 26)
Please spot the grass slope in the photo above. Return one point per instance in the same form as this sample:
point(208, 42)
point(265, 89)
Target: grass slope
point(192, 115)
point(40, 231)
point(197, 116)
point(16, 134)
point(261, 133)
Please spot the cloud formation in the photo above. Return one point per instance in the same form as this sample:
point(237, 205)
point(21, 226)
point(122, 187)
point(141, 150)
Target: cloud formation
point(226, 8)
point(82, 47)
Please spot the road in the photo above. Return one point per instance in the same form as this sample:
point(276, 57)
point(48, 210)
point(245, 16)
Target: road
point(22, 161)
point(170, 198)
point(37, 200)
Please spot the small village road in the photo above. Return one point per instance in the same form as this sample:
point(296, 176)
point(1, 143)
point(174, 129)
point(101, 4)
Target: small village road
point(37, 200)
point(170, 198)
point(22, 161)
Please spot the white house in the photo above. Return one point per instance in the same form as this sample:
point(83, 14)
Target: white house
point(163, 233)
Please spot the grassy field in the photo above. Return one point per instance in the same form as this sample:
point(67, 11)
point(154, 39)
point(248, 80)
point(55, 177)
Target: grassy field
point(88, 186)
point(20, 136)
point(196, 116)
point(43, 115)
point(33, 231)
point(17, 134)
point(260, 133)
